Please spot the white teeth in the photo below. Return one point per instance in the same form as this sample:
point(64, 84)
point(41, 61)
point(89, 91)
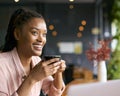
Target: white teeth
point(38, 46)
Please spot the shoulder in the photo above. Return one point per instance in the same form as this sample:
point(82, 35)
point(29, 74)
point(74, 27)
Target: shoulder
point(4, 57)
point(4, 62)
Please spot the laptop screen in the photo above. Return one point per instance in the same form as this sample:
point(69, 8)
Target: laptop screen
point(109, 88)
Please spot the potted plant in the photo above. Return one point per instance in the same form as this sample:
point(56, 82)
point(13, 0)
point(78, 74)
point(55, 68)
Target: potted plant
point(113, 66)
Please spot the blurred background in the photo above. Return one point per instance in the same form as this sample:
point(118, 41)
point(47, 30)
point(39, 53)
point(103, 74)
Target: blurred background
point(72, 25)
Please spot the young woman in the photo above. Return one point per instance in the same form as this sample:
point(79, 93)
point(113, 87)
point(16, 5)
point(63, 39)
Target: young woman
point(22, 71)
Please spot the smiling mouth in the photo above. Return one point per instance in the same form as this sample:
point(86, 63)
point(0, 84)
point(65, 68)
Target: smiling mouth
point(38, 47)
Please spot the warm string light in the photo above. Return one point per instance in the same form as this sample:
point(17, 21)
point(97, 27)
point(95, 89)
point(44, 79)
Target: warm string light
point(16, 1)
point(71, 0)
point(54, 33)
point(79, 33)
point(95, 31)
point(83, 22)
point(81, 28)
point(71, 6)
point(52, 28)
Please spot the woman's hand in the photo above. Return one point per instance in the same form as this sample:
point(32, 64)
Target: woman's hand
point(46, 68)
point(62, 66)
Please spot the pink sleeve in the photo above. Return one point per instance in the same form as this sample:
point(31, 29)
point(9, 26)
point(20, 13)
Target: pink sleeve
point(3, 94)
point(4, 90)
point(14, 94)
point(56, 92)
point(50, 89)
point(3, 83)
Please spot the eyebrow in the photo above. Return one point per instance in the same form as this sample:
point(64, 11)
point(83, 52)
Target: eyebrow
point(35, 28)
point(38, 29)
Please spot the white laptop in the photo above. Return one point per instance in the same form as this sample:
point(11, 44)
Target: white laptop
point(109, 88)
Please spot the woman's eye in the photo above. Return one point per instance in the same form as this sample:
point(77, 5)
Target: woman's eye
point(35, 33)
point(44, 34)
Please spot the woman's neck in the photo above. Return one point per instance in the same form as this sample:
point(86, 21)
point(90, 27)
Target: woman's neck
point(26, 61)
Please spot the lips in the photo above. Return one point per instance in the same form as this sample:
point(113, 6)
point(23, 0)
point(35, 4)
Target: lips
point(37, 47)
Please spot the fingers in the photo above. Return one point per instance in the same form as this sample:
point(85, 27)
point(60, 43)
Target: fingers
point(50, 69)
point(59, 66)
point(52, 66)
point(54, 70)
point(45, 63)
point(56, 64)
point(47, 68)
point(62, 66)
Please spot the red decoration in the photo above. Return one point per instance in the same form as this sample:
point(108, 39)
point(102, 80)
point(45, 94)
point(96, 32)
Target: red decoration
point(102, 53)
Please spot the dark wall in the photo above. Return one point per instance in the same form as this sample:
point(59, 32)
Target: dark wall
point(66, 22)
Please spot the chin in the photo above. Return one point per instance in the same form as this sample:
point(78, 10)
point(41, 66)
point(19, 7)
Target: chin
point(37, 53)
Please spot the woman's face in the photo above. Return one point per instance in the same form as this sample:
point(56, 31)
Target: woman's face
point(32, 37)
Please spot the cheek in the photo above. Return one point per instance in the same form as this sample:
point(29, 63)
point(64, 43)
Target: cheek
point(44, 41)
point(28, 40)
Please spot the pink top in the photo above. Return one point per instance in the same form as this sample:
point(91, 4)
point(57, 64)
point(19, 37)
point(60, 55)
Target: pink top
point(12, 73)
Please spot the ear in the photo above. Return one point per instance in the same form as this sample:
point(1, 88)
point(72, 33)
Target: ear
point(16, 34)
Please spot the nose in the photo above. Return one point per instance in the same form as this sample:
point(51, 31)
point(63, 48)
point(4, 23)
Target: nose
point(41, 38)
